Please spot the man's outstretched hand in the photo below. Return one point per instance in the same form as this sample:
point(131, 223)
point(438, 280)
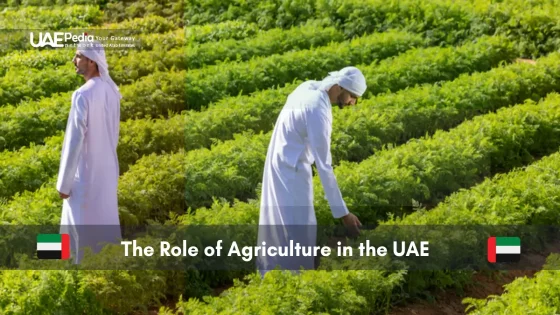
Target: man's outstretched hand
point(352, 223)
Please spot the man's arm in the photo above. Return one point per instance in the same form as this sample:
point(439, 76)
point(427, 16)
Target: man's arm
point(319, 129)
point(73, 143)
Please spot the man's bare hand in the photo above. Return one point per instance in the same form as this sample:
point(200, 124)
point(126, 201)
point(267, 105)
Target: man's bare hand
point(352, 223)
point(63, 196)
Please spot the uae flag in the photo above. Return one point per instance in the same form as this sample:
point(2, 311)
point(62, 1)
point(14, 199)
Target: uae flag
point(504, 249)
point(53, 246)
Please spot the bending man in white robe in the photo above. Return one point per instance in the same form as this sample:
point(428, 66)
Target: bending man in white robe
point(89, 168)
point(301, 136)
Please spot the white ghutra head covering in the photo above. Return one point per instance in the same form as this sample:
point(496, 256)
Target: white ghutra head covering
point(350, 78)
point(95, 51)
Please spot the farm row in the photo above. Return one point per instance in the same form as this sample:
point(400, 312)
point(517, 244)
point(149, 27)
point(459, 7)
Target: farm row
point(442, 21)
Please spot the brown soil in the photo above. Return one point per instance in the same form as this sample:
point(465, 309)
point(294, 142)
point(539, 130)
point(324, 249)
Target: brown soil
point(483, 285)
point(219, 290)
point(450, 303)
point(526, 61)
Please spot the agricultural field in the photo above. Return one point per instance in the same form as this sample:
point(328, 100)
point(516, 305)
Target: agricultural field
point(460, 125)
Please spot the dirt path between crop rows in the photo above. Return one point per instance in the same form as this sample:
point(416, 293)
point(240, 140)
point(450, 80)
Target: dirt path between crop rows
point(484, 284)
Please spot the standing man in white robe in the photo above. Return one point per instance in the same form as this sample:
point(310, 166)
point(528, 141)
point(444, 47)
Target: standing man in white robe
point(89, 167)
point(301, 136)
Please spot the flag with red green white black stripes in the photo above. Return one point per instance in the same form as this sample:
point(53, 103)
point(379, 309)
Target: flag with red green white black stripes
point(504, 249)
point(53, 246)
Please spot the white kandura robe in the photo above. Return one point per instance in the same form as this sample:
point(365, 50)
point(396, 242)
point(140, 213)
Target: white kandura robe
point(89, 168)
point(301, 136)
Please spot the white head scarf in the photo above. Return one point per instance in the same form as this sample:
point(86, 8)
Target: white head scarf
point(95, 51)
point(350, 78)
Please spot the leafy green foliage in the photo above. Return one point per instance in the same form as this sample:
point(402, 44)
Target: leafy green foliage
point(116, 11)
point(220, 31)
point(40, 292)
point(330, 292)
point(268, 14)
point(47, 18)
point(212, 83)
point(392, 119)
point(32, 121)
point(159, 184)
point(29, 168)
point(73, 291)
point(428, 169)
point(514, 198)
point(537, 295)
point(139, 25)
point(31, 84)
point(519, 197)
point(263, 44)
point(36, 59)
point(534, 26)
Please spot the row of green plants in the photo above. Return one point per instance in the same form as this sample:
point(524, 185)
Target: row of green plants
point(140, 25)
point(537, 295)
point(212, 83)
point(42, 3)
point(50, 18)
point(113, 11)
point(187, 30)
point(230, 170)
point(29, 168)
point(116, 11)
point(30, 84)
point(140, 137)
point(517, 197)
point(220, 31)
point(258, 111)
point(369, 295)
point(534, 25)
point(264, 43)
point(160, 92)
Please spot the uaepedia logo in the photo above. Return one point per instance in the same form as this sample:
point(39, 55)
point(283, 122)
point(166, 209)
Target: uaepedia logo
point(55, 39)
